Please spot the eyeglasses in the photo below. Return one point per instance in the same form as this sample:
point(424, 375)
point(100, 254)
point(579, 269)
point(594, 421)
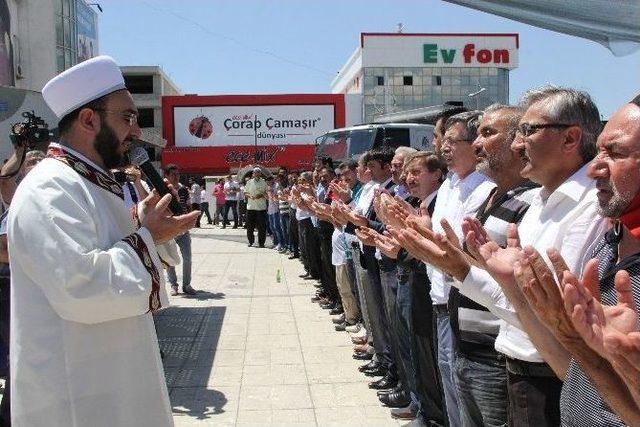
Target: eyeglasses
point(131, 118)
point(527, 129)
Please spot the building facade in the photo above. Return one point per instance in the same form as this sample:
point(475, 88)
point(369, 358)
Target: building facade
point(41, 38)
point(148, 84)
point(400, 71)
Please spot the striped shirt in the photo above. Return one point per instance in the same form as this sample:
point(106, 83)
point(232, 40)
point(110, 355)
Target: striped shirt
point(580, 402)
point(474, 327)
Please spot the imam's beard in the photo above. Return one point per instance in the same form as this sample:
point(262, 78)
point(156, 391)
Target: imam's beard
point(107, 145)
point(617, 204)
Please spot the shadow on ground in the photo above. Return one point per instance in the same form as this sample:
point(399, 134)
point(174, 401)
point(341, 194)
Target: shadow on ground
point(205, 295)
point(188, 338)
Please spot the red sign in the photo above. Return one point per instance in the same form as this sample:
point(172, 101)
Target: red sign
point(214, 159)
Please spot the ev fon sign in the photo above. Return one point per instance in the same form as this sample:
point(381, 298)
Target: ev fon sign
point(470, 55)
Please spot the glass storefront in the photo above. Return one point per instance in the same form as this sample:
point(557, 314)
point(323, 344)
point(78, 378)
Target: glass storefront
point(389, 89)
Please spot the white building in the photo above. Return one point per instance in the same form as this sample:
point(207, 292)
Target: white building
point(404, 71)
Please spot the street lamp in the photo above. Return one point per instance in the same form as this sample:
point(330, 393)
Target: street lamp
point(475, 95)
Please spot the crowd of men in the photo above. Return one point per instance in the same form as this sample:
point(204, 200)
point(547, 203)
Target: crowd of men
point(491, 281)
point(494, 280)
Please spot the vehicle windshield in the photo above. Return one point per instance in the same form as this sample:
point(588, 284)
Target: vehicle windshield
point(345, 144)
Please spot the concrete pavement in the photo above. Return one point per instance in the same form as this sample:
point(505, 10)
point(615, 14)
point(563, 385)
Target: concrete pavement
point(251, 351)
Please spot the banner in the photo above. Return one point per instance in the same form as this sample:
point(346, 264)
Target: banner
point(262, 125)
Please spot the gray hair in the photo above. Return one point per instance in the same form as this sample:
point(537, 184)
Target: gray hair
point(471, 121)
point(34, 155)
point(307, 176)
point(570, 106)
point(404, 150)
point(514, 114)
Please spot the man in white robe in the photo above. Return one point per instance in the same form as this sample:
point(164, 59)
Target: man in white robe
point(86, 274)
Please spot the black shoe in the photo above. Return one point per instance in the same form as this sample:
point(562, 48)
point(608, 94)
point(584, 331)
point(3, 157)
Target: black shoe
point(223, 227)
point(235, 226)
point(395, 400)
point(328, 306)
point(384, 383)
point(379, 372)
point(362, 355)
point(294, 257)
point(336, 311)
point(188, 290)
point(338, 320)
point(340, 327)
point(316, 298)
point(304, 276)
point(261, 246)
point(371, 365)
point(396, 389)
point(250, 244)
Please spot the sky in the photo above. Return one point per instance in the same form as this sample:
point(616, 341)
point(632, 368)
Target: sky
point(297, 46)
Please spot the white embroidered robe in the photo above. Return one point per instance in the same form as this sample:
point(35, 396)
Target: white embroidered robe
point(84, 351)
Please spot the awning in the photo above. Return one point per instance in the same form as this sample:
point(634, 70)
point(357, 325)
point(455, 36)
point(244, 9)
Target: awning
point(614, 24)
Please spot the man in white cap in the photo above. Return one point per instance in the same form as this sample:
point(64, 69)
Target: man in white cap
point(256, 191)
point(86, 274)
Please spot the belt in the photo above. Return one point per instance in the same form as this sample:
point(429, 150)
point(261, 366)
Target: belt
point(529, 369)
point(440, 309)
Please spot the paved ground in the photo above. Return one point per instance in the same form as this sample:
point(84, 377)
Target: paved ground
point(249, 351)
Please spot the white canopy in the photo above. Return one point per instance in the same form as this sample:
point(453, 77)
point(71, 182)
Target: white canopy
point(613, 23)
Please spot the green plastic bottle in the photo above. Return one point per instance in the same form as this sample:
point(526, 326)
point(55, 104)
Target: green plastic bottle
point(278, 277)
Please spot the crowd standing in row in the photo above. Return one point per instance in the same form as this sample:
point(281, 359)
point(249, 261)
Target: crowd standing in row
point(492, 281)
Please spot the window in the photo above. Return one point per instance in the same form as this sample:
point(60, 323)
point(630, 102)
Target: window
point(437, 80)
point(407, 80)
point(396, 137)
point(145, 118)
point(139, 84)
point(66, 34)
point(380, 80)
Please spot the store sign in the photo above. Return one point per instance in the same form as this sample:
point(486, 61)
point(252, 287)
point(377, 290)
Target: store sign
point(218, 126)
point(87, 31)
point(415, 50)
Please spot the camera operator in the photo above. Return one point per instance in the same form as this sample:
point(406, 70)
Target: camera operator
point(25, 136)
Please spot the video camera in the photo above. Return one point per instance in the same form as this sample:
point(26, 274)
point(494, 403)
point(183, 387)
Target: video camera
point(30, 132)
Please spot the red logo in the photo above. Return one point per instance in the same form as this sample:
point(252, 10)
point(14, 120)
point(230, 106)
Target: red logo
point(201, 127)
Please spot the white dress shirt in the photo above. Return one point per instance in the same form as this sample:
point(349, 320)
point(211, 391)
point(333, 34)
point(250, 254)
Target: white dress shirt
point(457, 198)
point(567, 220)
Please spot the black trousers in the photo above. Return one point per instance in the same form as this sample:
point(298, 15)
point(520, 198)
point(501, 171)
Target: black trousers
point(327, 269)
point(233, 205)
point(257, 219)
point(294, 236)
point(311, 247)
point(204, 207)
point(5, 405)
point(534, 397)
point(196, 207)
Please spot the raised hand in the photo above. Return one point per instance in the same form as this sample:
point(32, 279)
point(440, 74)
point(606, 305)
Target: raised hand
point(417, 245)
point(160, 222)
point(544, 294)
point(341, 190)
point(387, 244)
point(366, 236)
point(499, 262)
point(592, 320)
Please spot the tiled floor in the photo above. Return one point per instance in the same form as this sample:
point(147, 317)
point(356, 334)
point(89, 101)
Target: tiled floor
point(252, 351)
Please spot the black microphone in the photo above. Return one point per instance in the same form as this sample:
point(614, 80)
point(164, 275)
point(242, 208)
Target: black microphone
point(140, 158)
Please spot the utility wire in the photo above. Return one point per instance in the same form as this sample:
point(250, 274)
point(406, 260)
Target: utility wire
point(236, 41)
